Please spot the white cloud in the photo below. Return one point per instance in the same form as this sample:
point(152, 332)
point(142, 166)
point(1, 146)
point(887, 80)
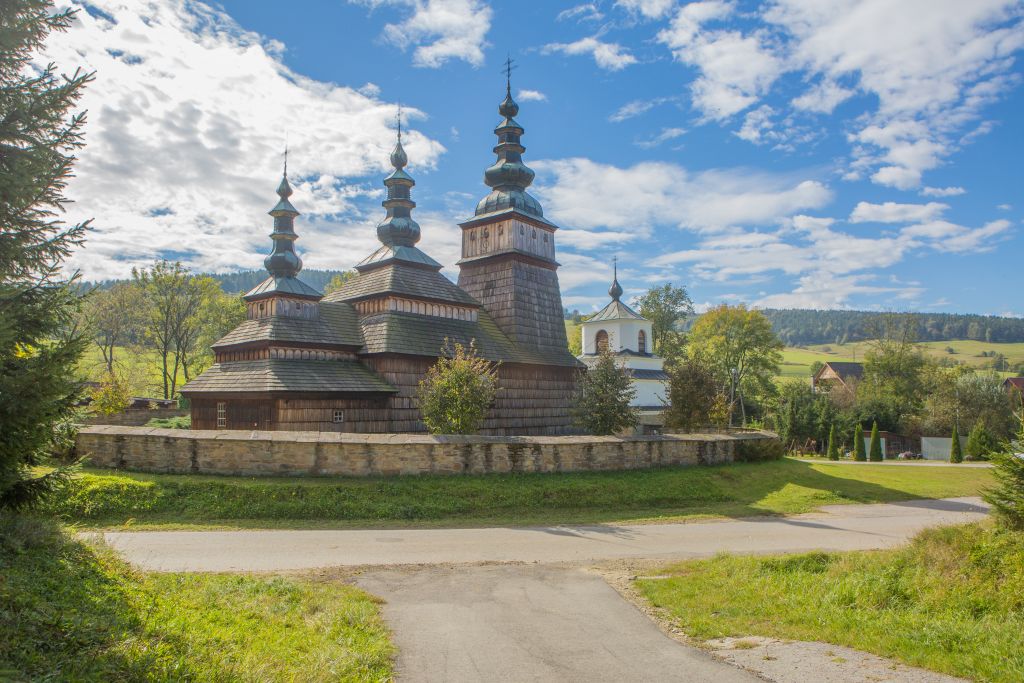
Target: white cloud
point(651, 9)
point(638, 107)
point(188, 118)
point(931, 64)
point(825, 290)
point(585, 12)
point(610, 56)
point(735, 69)
point(823, 98)
point(942, 191)
point(1004, 207)
point(531, 96)
point(756, 123)
point(585, 194)
point(441, 30)
point(891, 212)
point(950, 237)
point(665, 135)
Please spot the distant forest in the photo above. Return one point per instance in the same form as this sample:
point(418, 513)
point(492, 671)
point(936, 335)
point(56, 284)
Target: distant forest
point(798, 327)
point(243, 281)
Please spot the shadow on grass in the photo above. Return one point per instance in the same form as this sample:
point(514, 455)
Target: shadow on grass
point(65, 610)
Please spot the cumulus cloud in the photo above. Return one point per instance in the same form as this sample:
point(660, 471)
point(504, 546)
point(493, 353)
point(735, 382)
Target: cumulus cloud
point(609, 56)
point(585, 194)
point(735, 69)
point(531, 96)
point(188, 118)
point(930, 66)
point(440, 30)
point(891, 212)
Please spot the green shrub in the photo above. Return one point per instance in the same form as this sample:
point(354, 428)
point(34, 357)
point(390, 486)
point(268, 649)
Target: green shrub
point(956, 453)
point(178, 422)
point(833, 447)
point(875, 449)
point(980, 442)
point(758, 450)
point(457, 391)
point(859, 454)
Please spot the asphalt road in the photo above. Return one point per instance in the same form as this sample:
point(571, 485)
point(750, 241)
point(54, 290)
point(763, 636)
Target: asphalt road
point(507, 604)
point(837, 527)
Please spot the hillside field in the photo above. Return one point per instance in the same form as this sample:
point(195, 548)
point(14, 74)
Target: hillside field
point(797, 362)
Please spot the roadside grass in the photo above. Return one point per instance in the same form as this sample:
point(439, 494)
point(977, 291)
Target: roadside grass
point(105, 498)
point(951, 601)
point(73, 611)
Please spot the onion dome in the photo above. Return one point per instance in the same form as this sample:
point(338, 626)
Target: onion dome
point(615, 291)
point(283, 262)
point(509, 176)
point(398, 229)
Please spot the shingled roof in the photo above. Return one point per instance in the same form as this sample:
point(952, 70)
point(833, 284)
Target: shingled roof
point(279, 375)
point(405, 280)
point(338, 325)
point(615, 310)
point(420, 335)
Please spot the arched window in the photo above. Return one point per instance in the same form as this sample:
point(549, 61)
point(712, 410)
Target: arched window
point(602, 341)
point(641, 342)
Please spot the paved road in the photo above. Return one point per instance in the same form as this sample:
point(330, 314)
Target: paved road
point(837, 527)
point(528, 623)
point(540, 616)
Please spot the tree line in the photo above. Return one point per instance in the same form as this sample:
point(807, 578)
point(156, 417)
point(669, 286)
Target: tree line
point(799, 327)
point(240, 281)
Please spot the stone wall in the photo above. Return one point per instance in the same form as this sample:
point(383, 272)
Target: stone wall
point(328, 453)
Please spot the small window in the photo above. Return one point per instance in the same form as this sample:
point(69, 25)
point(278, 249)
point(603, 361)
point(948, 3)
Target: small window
point(602, 341)
point(339, 417)
point(222, 414)
point(641, 342)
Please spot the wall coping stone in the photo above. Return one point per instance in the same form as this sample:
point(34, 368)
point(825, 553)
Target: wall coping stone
point(410, 439)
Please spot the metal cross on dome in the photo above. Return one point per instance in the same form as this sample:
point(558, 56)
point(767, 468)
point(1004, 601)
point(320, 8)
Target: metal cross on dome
point(510, 66)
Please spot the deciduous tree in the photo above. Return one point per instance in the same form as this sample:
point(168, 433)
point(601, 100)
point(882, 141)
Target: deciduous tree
point(733, 338)
point(693, 396)
point(603, 394)
point(664, 306)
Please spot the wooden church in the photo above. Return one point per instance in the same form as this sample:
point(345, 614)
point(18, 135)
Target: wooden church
point(352, 361)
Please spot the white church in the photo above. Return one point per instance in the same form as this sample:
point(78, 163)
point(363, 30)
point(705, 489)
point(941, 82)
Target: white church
point(627, 335)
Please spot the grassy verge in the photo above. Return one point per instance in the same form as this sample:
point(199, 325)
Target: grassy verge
point(952, 601)
point(101, 498)
point(71, 611)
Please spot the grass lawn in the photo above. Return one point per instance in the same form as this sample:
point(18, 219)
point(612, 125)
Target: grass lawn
point(105, 498)
point(70, 611)
point(952, 601)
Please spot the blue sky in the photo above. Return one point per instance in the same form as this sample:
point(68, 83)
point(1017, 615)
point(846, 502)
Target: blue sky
point(794, 153)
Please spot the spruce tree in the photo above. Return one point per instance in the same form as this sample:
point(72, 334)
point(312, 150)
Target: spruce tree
point(956, 453)
point(39, 346)
point(875, 448)
point(859, 454)
point(833, 448)
point(1007, 496)
point(603, 396)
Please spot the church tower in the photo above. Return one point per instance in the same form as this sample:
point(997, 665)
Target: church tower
point(508, 248)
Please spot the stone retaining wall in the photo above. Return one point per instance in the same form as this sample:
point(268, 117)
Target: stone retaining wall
point(135, 417)
point(329, 453)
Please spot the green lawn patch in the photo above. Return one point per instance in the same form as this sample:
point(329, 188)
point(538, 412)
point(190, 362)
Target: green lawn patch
point(106, 498)
point(951, 601)
point(71, 611)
